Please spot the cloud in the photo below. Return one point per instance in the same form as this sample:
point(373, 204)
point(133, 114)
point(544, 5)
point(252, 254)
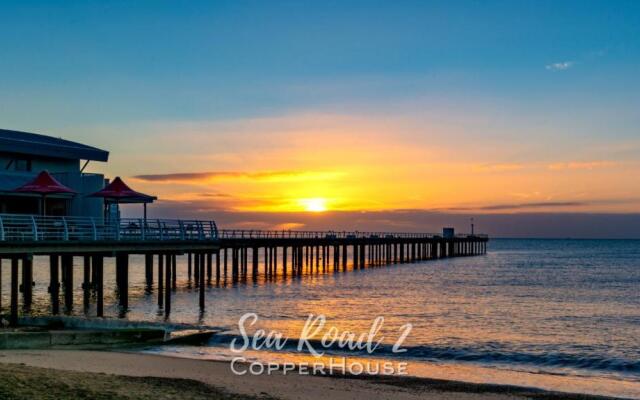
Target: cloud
point(560, 66)
point(497, 167)
point(520, 206)
point(542, 205)
point(210, 176)
point(582, 165)
point(214, 195)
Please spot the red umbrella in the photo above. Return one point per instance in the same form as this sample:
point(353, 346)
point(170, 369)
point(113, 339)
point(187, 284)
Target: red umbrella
point(119, 192)
point(44, 184)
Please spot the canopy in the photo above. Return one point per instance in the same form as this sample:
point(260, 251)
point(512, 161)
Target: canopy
point(44, 184)
point(118, 192)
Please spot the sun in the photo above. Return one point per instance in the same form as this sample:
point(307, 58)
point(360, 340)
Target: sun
point(314, 205)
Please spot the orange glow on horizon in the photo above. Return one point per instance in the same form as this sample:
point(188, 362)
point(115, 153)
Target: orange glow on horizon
point(325, 163)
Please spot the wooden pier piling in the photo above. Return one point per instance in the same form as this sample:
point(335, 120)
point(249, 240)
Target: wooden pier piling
point(160, 281)
point(67, 273)
point(86, 282)
point(27, 283)
point(168, 284)
point(13, 318)
point(54, 283)
point(122, 273)
point(201, 294)
point(148, 271)
point(97, 263)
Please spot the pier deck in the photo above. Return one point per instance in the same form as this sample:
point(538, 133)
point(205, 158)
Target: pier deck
point(209, 252)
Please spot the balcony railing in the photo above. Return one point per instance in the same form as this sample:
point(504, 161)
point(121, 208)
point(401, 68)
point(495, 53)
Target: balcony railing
point(18, 228)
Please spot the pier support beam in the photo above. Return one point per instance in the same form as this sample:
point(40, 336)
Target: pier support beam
point(284, 261)
point(234, 265)
point(344, 256)
point(67, 273)
point(225, 266)
point(27, 283)
point(275, 261)
point(254, 263)
point(13, 316)
point(201, 294)
point(174, 274)
point(196, 269)
point(160, 281)
point(122, 271)
point(356, 259)
point(97, 263)
point(86, 282)
point(167, 283)
point(218, 268)
point(148, 272)
point(189, 268)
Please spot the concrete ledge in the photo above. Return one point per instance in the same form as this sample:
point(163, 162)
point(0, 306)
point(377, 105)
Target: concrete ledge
point(69, 322)
point(24, 340)
point(53, 339)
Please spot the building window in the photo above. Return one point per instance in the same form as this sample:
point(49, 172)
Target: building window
point(22, 165)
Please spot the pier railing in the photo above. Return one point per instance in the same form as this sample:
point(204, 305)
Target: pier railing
point(287, 234)
point(21, 228)
point(16, 227)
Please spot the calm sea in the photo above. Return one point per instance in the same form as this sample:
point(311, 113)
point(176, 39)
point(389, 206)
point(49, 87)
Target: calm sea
point(558, 314)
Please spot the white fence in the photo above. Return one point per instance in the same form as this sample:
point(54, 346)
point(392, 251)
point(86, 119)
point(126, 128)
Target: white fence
point(15, 227)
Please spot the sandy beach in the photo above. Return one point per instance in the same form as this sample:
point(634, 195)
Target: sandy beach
point(84, 370)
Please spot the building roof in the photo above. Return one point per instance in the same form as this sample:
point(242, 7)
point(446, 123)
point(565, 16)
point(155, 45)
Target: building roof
point(47, 146)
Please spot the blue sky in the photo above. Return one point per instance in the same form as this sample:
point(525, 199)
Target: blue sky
point(115, 61)
point(522, 102)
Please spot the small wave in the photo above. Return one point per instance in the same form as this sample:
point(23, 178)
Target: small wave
point(491, 353)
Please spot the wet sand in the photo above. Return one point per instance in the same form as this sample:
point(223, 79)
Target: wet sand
point(219, 382)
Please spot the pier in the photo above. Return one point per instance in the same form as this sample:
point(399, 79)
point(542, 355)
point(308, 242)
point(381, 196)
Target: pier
point(210, 253)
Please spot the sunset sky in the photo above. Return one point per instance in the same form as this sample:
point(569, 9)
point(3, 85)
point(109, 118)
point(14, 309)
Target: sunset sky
point(373, 115)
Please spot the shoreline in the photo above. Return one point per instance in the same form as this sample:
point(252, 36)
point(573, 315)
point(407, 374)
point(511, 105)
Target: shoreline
point(466, 373)
point(290, 386)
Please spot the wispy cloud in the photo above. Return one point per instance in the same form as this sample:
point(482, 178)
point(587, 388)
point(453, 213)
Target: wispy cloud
point(520, 206)
point(589, 165)
point(497, 167)
point(530, 206)
point(205, 177)
point(560, 66)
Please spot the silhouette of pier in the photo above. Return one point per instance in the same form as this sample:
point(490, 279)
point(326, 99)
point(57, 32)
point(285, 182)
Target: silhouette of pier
point(210, 254)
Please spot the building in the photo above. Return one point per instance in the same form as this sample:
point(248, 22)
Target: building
point(23, 155)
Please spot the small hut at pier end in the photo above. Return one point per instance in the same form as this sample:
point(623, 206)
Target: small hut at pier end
point(117, 192)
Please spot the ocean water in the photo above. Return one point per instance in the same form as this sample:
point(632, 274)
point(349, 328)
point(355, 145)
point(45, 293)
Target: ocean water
point(556, 314)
